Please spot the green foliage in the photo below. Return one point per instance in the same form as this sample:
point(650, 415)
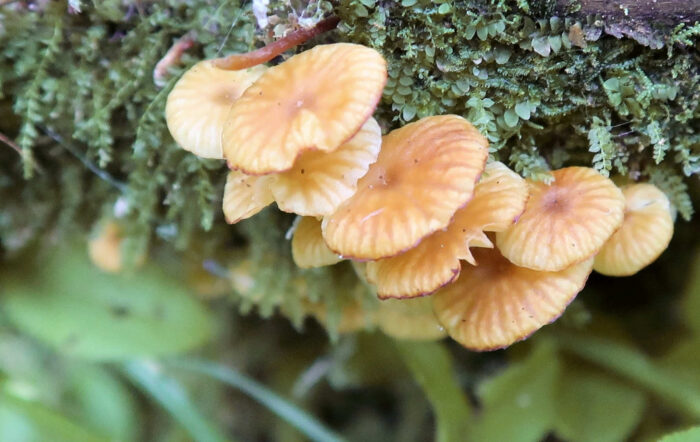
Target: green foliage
point(689, 435)
point(432, 368)
point(89, 314)
point(584, 405)
point(518, 404)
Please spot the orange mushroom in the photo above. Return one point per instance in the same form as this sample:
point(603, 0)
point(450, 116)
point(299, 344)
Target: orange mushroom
point(316, 100)
point(425, 171)
point(497, 303)
point(499, 198)
point(245, 195)
point(317, 184)
point(410, 319)
point(644, 235)
point(308, 248)
point(105, 248)
point(199, 103)
point(565, 222)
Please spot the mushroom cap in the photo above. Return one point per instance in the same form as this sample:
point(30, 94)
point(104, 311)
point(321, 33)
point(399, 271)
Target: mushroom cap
point(316, 100)
point(308, 248)
point(565, 222)
point(411, 319)
point(425, 171)
point(497, 303)
point(245, 195)
point(105, 248)
point(499, 198)
point(644, 235)
point(320, 181)
point(200, 102)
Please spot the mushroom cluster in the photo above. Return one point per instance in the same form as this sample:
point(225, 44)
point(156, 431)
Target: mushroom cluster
point(408, 208)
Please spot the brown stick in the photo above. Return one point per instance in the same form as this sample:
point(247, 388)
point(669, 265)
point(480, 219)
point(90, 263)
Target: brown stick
point(16, 148)
point(241, 61)
point(10, 143)
point(171, 57)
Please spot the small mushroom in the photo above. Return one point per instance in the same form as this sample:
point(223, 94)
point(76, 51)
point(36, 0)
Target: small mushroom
point(644, 235)
point(105, 248)
point(425, 171)
point(565, 222)
point(315, 186)
point(320, 181)
point(316, 100)
point(499, 198)
point(245, 195)
point(308, 248)
point(199, 103)
point(410, 319)
point(497, 303)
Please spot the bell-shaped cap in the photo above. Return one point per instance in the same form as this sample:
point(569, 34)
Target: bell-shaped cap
point(644, 235)
point(410, 319)
point(320, 181)
point(245, 195)
point(200, 102)
point(316, 100)
point(308, 248)
point(499, 198)
point(497, 303)
point(425, 171)
point(565, 222)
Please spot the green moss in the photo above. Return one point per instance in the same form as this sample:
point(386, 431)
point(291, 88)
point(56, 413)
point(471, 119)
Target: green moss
point(77, 94)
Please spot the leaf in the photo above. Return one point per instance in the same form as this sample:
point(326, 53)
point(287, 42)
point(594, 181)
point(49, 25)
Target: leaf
point(583, 405)
point(523, 110)
point(691, 299)
point(67, 303)
point(294, 415)
point(21, 419)
point(631, 364)
point(511, 118)
point(431, 366)
point(612, 84)
point(168, 392)
point(541, 46)
point(690, 435)
point(519, 403)
point(104, 402)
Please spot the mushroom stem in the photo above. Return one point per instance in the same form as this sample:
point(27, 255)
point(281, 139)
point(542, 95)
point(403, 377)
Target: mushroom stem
point(242, 61)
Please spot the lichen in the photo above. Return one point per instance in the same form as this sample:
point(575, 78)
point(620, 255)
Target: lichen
point(77, 95)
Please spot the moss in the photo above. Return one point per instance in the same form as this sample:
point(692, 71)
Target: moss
point(77, 94)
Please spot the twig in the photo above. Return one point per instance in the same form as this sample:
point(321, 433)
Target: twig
point(241, 61)
point(105, 176)
point(10, 143)
point(18, 149)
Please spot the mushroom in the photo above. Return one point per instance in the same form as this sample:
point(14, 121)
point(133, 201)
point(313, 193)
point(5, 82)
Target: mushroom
point(411, 319)
point(645, 233)
point(499, 198)
point(245, 195)
point(319, 181)
point(565, 222)
point(200, 102)
point(316, 100)
point(317, 184)
point(105, 248)
point(497, 303)
point(425, 171)
point(308, 248)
